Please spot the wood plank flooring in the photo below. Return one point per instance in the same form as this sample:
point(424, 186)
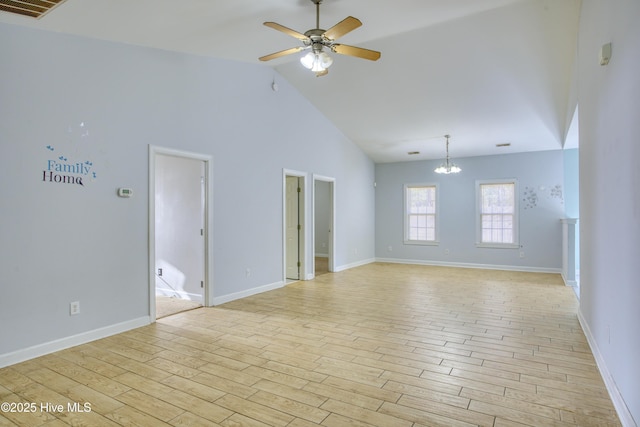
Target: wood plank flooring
point(379, 345)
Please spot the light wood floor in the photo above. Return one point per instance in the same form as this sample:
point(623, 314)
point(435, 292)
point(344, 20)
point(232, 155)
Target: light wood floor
point(321, 265)
point(168, 306)
point(382, 345)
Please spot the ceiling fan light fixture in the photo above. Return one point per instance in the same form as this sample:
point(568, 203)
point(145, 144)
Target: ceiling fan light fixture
point(316, 61)
point(317, 39)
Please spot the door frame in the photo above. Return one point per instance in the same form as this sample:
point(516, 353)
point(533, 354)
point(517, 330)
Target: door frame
point(332, 220)
point(208, 222)
point(303, 216)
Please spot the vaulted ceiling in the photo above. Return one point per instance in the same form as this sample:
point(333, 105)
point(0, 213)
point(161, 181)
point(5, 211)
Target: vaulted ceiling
point(486, 72)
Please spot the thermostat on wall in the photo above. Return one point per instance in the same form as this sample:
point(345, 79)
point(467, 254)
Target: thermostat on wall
point(125, 192)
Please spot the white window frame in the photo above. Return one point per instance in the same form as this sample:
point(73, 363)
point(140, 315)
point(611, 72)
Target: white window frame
point(516, 214)
point(405, 212)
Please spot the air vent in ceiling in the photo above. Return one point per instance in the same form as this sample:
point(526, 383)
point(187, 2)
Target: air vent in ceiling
point(506, 144)
point(32, 8)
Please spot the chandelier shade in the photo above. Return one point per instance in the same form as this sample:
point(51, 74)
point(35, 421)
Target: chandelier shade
point(448, 166)
point(316, 61)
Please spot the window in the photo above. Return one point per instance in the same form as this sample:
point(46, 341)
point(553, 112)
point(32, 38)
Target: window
point(420, 220)
point(497, 217)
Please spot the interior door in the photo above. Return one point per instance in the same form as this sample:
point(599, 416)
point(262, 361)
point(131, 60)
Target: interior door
point(292, 216)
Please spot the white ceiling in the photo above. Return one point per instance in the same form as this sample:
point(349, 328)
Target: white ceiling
point(484, 71)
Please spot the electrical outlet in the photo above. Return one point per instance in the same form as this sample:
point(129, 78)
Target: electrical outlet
point(247, 272)
point(521, 254)
point(390, 248)
point(74, 308)
point(446, 251)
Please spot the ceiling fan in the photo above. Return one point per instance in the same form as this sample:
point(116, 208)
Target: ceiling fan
point(316, 39)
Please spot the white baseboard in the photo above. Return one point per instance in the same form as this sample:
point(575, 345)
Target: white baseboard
point(618, 402)
point(472, 265)
point(164, 292)
point(572, 283)
point(243, 294)
point(72, 341)
point(354, 264)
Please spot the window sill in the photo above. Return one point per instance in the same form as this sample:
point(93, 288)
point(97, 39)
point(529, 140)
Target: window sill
point(422, 242)
point(498, 245)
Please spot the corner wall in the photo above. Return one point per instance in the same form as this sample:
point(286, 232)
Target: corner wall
point(609, 100)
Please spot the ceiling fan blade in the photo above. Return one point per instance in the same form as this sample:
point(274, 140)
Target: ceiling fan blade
point(343, 27)
point(359, 52)
point(288, 31)
point(281, 53)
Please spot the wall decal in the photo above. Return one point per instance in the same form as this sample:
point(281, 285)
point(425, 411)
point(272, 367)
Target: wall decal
point(531, 199)
point(556, 193)
point(60, 170)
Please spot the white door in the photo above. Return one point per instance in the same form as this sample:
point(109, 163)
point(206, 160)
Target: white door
point(293, 226)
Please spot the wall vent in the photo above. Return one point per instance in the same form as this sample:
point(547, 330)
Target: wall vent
point(32, 8)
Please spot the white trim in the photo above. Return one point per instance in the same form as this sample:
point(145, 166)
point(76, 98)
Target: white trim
point(472, 265)
point(305, 226)
point(405, 213)
point(498, 245)
point(567, 282)
point(355, 264)
point(618, 402)
point(247, 293)
point(71, 341)
point(516, 214)
point(422, 242)
point(208, 290)
point(332, 235)
point(187, 296)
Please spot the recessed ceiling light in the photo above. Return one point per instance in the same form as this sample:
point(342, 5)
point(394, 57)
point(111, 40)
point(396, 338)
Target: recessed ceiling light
point(411, 153)
point(506, 144)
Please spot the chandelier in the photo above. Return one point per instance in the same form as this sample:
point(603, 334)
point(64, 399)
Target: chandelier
point(448, 166)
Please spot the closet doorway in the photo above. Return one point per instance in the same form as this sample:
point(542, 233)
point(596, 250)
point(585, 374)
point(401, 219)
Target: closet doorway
point(323, 224)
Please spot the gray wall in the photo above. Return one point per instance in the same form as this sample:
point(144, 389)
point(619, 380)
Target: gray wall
point(540, 228)
point(609, 100)
point(105, 103)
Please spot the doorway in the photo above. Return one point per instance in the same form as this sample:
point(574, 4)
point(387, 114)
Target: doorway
point(323, 224)
point(179, 231)
point(294, 226)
